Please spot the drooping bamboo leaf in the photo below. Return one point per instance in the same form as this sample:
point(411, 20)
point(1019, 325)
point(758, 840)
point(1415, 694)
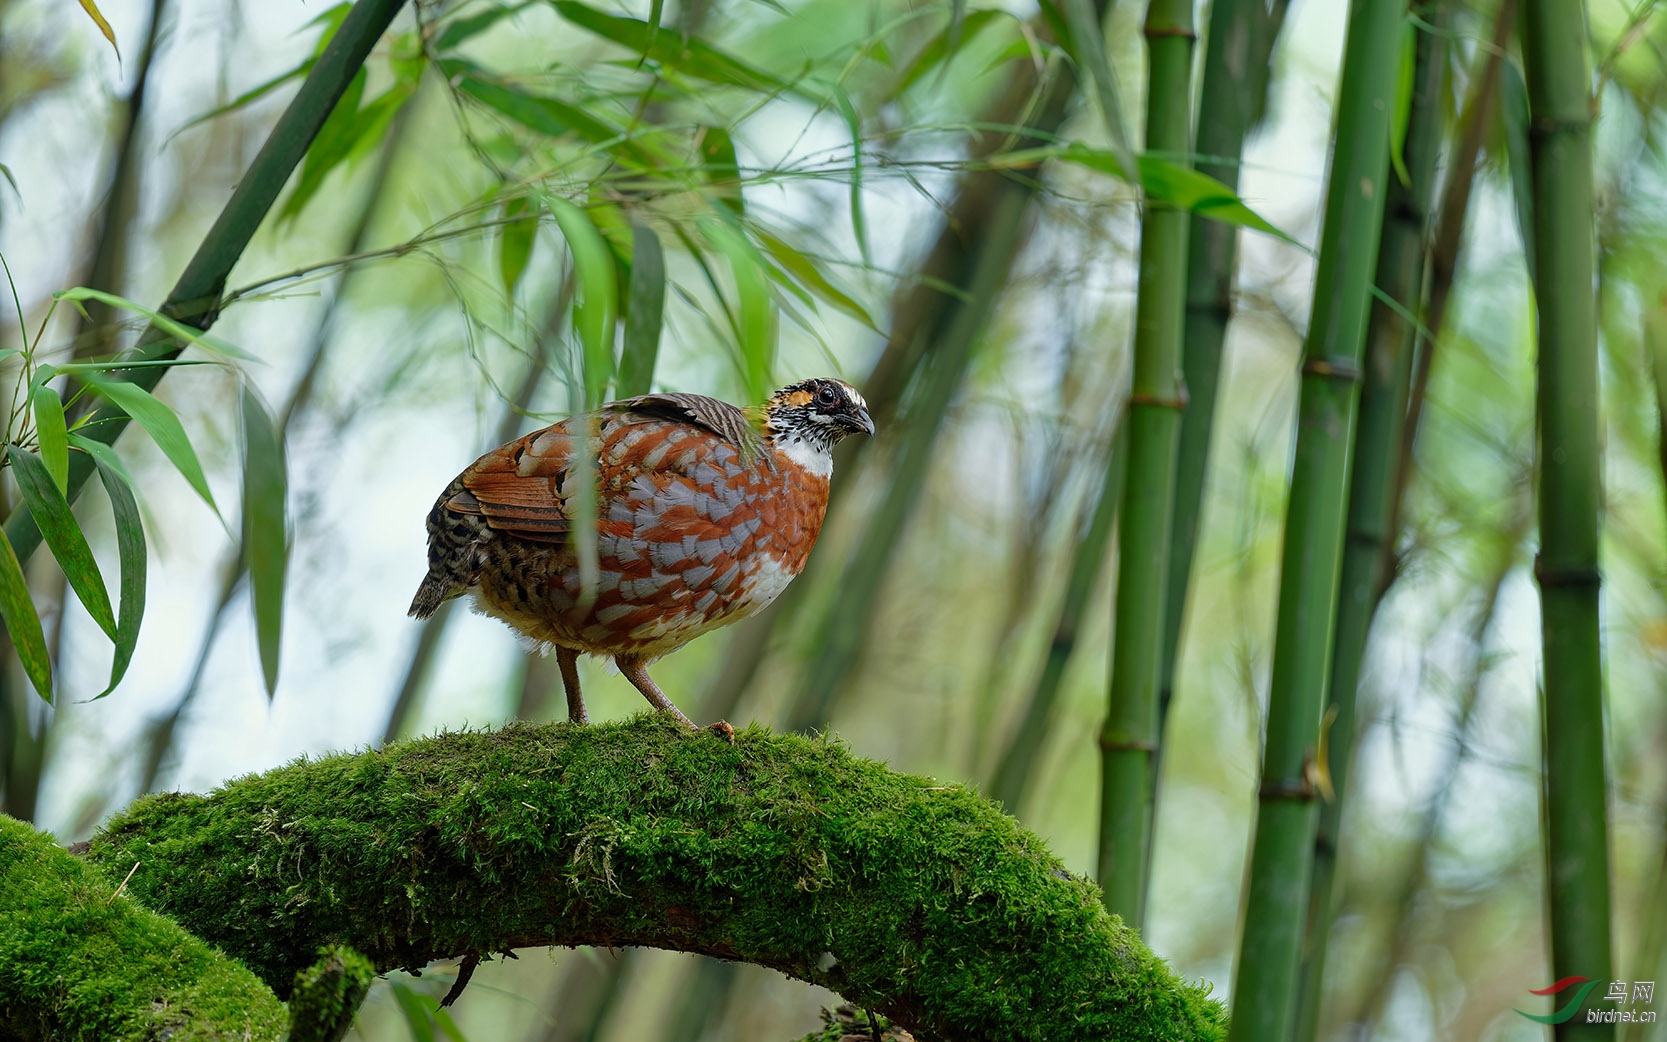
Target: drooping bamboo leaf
point(174, 328)
point(549, 116)
point(1401, 113)
point(412, 1008)
point(161, 424)
point(669, 49)
point(515, 242)
point(942, 47)
point(101, 454)
point(349, 129)
point(1162, 179)
point(462, 29)
point(252, 94)
point(723, 170)
point(1513, 109)
point(23, 625)
point(859, 225)
point(63, 535)
point(755, 309)
point(1087, 45)
point(596, 299)
point(644, 312)
point(103, 26)
point(52, 439)
point(805, 270)
point(130, 549)
point(265, 529)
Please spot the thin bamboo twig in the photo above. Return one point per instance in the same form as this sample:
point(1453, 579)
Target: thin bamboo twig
point(1265, 977)
point(1575, 792)
point(1129, 735)
point(1372, 486)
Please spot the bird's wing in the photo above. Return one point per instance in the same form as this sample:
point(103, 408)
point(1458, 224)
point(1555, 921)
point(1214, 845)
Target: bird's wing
point(522, 487)
point(721, 418)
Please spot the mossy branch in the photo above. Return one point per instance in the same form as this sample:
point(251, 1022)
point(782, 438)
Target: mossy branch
point(919, 900)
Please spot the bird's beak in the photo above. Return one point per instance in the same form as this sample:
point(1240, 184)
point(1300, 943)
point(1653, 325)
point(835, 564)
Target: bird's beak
point(859, 423)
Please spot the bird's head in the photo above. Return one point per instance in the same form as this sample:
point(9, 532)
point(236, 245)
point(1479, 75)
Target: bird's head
point(817, 413)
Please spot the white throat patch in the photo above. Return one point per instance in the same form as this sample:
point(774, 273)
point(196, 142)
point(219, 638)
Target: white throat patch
point(808, 454)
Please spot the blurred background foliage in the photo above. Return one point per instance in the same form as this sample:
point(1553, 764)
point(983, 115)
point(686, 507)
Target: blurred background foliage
point(763, 191)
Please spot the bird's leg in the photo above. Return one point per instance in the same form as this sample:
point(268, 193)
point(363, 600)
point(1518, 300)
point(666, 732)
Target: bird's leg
point(637, 674)
point(568, 660)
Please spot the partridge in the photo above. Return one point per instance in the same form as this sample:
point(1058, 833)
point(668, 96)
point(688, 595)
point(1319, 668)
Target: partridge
point(704, 512)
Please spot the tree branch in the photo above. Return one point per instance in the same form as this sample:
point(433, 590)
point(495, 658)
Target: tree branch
point(918, 900)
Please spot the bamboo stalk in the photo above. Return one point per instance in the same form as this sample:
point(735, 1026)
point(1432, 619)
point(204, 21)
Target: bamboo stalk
point(1265, 981)
point(1570, 496)
point(1372, 484)
point(1129, 735)
point(195, 298)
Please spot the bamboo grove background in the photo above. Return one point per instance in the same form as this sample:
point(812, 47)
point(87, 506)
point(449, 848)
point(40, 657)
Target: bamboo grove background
point(1336, 474)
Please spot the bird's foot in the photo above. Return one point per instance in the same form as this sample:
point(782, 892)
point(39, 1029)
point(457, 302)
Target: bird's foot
point(637, 674)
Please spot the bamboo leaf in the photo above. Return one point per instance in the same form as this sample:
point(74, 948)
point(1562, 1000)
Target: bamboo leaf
point(805, 270)
point(755, 310)
point(103, 454)
point(462, 29)
point(329, 148)
point(130, 549)
point(63, 535)
point(1087, 45)
point(251, 95)
point(103, 26)
point(515, 243)
point(859, 224)
point(1514, 112)
point(596, 301)
point(942, 47)
point(415, 1013)
point(265, 529)
point(51, 437)
point(23, 625)
point(723, 169)
point(1402, 112)
point(1171, 182)
point(644, 312)
point(173, 327)
point(669, 49)
point(549, 116)
point(161, 424)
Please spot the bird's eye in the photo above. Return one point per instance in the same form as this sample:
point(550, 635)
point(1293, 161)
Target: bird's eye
point(827, 396)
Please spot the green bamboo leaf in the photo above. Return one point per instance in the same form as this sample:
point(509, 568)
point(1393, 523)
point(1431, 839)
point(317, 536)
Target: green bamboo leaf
point(1087, 45)
point(755, 309)
point(1513, 110)
point(103, 26)
point(161, 424)
point(62, 535)
point(1402, 112)
point(52, 438)
point(102, 454)
point(549, 116)
point(945, 46)
point(411, 1007)
point(515, 242)
point(596, 302)
point(644, 312)
point(461, 29)
point(805, 270)
point(723, 170)
point(130, 549)
point(173, 327)
point(1173, 183)
point(251, 95)
point(853, 122)
point(671, 50)
point(335, 139)
point(265, 529)
point(23, 625)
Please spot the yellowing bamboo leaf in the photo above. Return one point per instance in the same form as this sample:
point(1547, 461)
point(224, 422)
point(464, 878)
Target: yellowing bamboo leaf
point(103, 26)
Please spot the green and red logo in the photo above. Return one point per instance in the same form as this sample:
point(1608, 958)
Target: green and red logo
point(1573, 1006)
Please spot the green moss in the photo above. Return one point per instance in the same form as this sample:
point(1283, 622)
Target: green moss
point(325, 996)
point(921, 901)
point(77, 963)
